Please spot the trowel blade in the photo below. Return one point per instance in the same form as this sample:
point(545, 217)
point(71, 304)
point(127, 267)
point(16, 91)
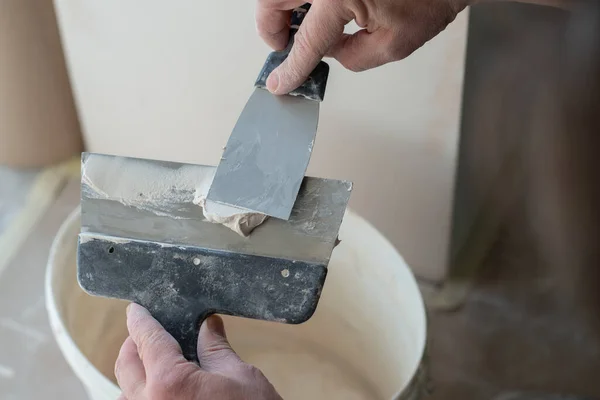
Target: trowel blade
point(267, 154)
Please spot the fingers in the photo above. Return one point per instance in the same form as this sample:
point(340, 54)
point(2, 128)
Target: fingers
point(157, 349)
point(321, 29)
point(365, 50)
point(273, 25)
point(214, 352)
point(362, 50)
point(129, 370)
point(273, 21)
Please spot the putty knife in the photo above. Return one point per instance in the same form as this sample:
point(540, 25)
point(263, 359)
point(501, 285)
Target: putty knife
point(268, 151)
point(144, 240)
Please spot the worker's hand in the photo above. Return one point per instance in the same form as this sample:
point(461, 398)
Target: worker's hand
point(151, 366)
point(392, 30)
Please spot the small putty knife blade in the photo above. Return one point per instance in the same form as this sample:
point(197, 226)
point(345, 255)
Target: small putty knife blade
point(268, 151)
point(267, 154)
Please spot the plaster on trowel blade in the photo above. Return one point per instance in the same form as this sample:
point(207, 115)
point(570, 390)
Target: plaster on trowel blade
point(267, 154)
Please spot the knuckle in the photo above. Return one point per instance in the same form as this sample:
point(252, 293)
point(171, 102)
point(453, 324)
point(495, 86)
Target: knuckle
point(399, 49)
point(174, 383)
point(353, 66)
point(262, 28)
point(153, 393)
point(246, 369)
point(396, 52)
point(165, 384)
point(262, 31)
point(263, 35)
point(217, 346)
point(148, 339)
point(267, 34)
point(294, 72)
point(291, 72)
point(249, 372)
point(304, 46)
point(217, 357)
point(342, 8)
point(337, 3)
point(136, 325)
point(257, 374)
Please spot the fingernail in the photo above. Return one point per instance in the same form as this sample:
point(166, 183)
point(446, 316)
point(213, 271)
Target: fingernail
point(215, 325)
point(128, 308)
point(273, 82)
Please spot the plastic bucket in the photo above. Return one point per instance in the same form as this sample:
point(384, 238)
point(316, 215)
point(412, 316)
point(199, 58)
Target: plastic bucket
point(366, 341)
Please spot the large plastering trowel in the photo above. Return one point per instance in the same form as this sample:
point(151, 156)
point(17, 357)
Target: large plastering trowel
point(270, 146)
point(144, 239)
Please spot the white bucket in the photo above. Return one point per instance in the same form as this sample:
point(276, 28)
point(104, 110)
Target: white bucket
point(366, 340)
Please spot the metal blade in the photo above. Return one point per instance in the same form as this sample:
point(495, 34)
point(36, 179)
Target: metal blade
point(116, 203)
point(267, 154)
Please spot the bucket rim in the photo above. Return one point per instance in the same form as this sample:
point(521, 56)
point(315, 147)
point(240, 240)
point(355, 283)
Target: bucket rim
point(83, 368)
point(418, 382)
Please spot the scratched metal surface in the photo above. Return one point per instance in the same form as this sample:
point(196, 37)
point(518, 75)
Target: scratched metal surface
point(267, 154)
point(309, 235)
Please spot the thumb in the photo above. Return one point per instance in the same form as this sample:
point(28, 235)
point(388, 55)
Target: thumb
point(322, 28)
point(214, 352)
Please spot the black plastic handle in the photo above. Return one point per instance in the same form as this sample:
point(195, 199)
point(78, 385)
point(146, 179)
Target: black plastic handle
point(298, 15)
point(314, 87)
point(182, 285)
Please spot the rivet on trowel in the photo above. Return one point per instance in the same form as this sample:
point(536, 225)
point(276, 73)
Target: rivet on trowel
point(285, 273)
point(196, 261)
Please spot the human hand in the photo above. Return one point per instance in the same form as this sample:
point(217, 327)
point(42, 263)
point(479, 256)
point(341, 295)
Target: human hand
point(391, 31)
point(151, 366)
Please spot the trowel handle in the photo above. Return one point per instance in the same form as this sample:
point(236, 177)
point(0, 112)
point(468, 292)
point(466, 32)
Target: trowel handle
point(314, 87)
point(298, 15)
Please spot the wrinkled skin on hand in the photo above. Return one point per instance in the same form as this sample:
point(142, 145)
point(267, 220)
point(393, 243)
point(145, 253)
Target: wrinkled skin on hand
point(391, 31)
point(151, 366)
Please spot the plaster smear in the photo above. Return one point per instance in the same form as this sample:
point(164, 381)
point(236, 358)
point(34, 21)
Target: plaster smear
point(161, 189)
point(243, 223)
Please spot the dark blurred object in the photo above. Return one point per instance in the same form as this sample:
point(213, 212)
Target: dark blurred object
point(530, 133)
point(533, 396)
point(564, 195)
point(528, 323)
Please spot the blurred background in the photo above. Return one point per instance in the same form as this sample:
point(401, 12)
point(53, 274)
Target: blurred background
point(476, 157)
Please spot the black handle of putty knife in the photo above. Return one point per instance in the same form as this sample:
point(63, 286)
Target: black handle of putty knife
point(183, 325)
point(314, 87)
point(181, 285)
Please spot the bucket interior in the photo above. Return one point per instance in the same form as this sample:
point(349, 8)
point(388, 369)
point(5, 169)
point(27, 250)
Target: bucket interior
point(365, 340)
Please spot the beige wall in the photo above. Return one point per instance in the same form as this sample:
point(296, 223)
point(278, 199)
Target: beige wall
point(168, 80)
point(38, 122)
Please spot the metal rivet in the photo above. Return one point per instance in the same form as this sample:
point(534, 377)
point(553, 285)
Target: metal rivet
point(285, 273)
point(196, 261)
